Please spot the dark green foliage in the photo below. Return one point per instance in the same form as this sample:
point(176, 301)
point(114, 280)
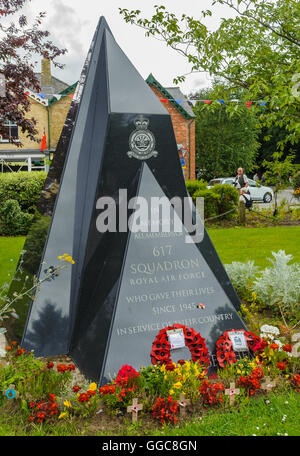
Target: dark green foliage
point(35, 244)
point(218, 200)
point(23, 187)
point(224, 142)
point(194, 185)
point(12, 220)
point(296, 181)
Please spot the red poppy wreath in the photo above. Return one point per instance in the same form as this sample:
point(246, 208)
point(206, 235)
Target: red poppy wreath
point(161, 353)
point(225, 353)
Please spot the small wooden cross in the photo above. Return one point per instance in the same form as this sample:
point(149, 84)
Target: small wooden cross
point(134, 409)
point(231, 392)
point(268, 384)
point(183, 402)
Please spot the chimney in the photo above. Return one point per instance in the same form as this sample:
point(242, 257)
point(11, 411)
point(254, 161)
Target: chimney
point(46, 78)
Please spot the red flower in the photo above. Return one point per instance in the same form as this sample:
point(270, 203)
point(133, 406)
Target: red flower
point(71, 367)
point(31, 418)
point(165, 410)
point(126, 375)
point(287, 348)
point(295, 382)
point(21, 351)
point(76, 388)
point(83, 397)
point(62, 368)
point(50, 365)
point(51, 397)
point(107, 389)
point(91, 393)
point(274, 346)
point(32, 404)
point(281, 366)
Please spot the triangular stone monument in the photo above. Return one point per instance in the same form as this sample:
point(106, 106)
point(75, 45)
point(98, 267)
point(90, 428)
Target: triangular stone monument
point(106, 310)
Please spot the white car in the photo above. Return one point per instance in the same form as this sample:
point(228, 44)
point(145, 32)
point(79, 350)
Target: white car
point(258, 192)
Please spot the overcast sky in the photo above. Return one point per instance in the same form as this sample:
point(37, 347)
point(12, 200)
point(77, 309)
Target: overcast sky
point(72, 24)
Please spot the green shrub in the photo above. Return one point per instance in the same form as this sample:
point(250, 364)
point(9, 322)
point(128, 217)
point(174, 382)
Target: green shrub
point(229, 197)
point(194, 185)
point(218, 200)
point(23, 187)
point(296, 181)
point(211, 202)
point(35, 244)
point(12, 220)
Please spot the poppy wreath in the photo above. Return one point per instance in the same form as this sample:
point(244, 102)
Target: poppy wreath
point(225, 353)
point(161, 353)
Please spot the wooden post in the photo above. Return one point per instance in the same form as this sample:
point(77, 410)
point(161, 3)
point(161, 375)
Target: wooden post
point(231, 392)
point(242, 213)
point(134, 409)
point(183, 402)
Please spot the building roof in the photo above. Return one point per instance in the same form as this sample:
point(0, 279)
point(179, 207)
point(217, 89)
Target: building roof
point(57, 86)
point(174, 96)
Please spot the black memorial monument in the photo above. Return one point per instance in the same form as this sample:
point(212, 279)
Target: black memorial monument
point(125, 286)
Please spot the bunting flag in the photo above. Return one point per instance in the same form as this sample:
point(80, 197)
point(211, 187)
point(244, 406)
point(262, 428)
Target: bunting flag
point(193, 101)
point(43, 145)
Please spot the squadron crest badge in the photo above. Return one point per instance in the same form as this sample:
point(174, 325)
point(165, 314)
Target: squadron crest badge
point(141, 140)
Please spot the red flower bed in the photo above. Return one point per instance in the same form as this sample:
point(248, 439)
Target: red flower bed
point(251, 383)
point(107, 389)
point(225, 353)
point(212, 393)
point(165, 410)
point(295, 382)
point(62, 368)
point(42, 411)
point(126, 375)
point(161, 354)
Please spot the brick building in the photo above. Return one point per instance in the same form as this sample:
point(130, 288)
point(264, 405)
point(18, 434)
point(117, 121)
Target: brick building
point(183, 120)
point(49, 108)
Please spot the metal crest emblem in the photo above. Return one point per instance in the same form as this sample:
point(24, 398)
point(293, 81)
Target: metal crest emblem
point(141, 140)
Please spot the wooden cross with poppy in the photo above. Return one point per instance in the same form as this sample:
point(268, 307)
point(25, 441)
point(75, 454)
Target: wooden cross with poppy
point(134, 409)
point(183, 402)
point(268, 384)
point(231, 392)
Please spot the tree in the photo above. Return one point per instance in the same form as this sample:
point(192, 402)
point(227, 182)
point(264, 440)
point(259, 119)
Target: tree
point(257, 51)
point(19, 43)
point(224, 141)
point(278, 173)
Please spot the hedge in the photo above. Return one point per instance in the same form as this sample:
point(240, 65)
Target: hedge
point(218, 200)
point(194, 185)
point(24, 187)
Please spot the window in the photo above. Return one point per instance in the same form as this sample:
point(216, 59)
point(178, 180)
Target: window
point(8, 130)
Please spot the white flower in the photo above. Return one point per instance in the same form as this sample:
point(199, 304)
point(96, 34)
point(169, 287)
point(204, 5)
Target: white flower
point(266, 336)
point(270, 329)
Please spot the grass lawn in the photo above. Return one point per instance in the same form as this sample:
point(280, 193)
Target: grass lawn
point(254, 417)
point(232, 244)
point(10, 248)
point(243, 244)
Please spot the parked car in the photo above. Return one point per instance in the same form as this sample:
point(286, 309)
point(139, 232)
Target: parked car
point(258, 192)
